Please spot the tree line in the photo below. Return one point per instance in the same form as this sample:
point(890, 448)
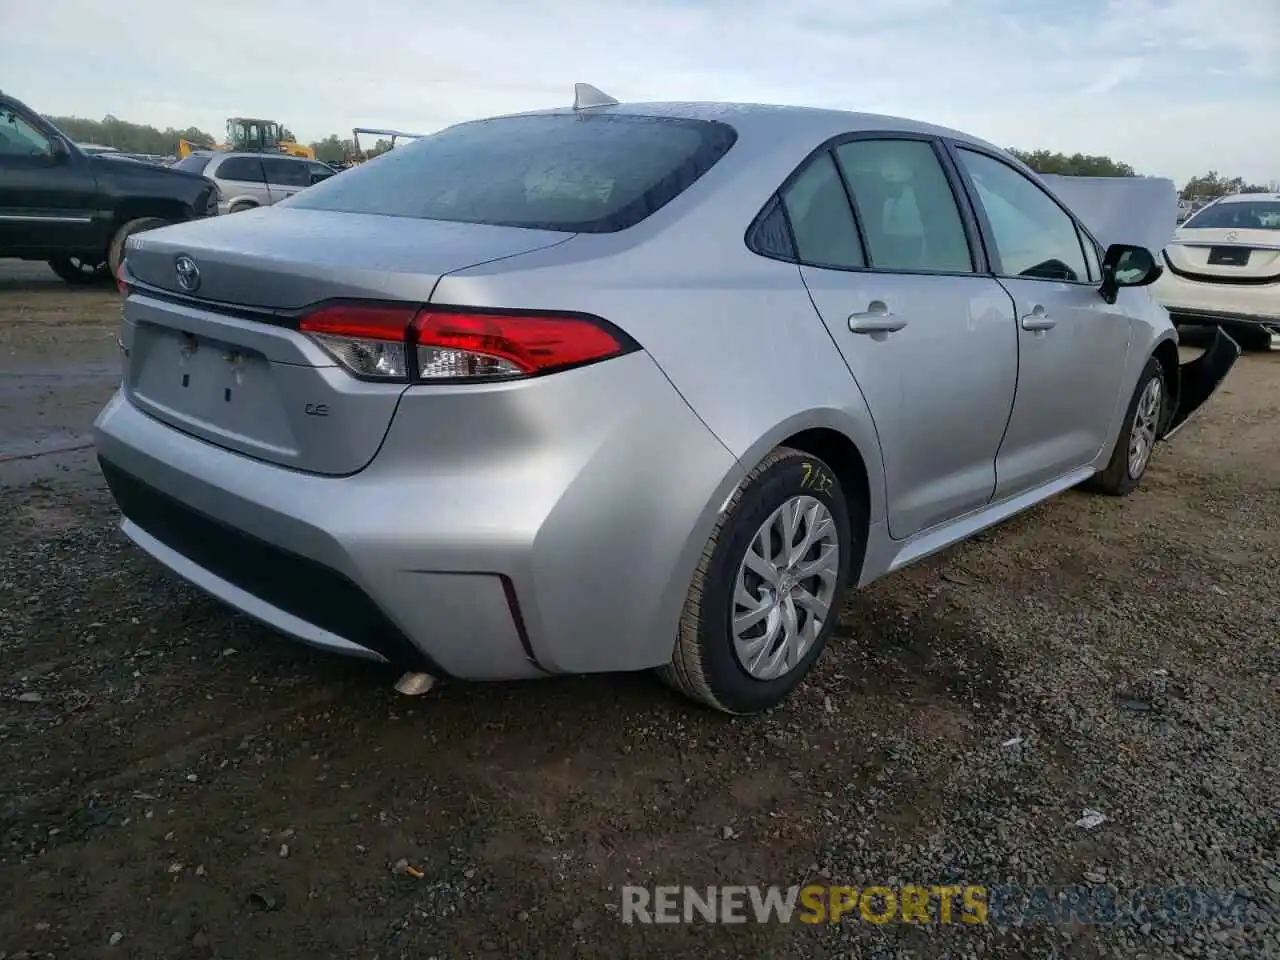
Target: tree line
point(144, 138)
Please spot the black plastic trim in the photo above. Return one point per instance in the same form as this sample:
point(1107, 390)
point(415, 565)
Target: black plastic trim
point(1218, 279)
point(295, 584)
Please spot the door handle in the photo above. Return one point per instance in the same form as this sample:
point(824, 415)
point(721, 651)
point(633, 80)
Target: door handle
point(1038, 319)
point(876, 319)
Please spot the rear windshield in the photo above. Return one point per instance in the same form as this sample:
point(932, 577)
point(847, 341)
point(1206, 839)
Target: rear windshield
point(1238, 215)
point(192, 164)
point(590, 173)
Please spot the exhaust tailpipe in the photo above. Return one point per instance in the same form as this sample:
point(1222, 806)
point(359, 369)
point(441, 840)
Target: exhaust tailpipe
point(415, 684)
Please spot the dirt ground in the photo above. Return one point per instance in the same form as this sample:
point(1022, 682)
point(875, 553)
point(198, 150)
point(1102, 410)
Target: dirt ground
point(180, 782)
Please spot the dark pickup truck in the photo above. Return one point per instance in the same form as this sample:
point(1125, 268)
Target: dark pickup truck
point(76, 211)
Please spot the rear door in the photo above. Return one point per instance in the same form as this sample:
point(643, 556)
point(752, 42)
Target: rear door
point(929, 339)
point(241, 178)
point(46, 201)
point(1072, 345)
point(285, 176)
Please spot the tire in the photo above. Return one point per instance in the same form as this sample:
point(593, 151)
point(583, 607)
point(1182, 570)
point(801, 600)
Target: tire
point(707, 664)
point(115, 253)
point(79, 271)
point(1121, 475)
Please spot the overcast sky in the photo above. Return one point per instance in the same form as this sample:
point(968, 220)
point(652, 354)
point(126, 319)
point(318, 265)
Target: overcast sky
point(1174, 87)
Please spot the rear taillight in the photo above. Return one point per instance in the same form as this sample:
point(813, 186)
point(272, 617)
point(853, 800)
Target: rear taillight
point(122, 279)
point(433, 344)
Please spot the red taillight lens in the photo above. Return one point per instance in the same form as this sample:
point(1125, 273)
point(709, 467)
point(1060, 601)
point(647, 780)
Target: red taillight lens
point(369, 339)
point(454, 344)
point(122, 279)
point(403, 342)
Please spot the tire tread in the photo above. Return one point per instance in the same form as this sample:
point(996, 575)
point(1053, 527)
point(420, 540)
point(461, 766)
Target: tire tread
point(685, 673)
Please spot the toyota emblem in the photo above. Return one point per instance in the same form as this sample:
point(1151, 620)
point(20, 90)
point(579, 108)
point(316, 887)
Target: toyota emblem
point(188, 273)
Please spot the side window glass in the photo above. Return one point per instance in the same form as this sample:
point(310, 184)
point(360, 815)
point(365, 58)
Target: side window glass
point(821, 219)
point(18, 138)
point(905, 203)
point(289, 173)
point(277, 171)
point(245, 169)
point(769, 236)
point(1034, 237)
point(1091, 258)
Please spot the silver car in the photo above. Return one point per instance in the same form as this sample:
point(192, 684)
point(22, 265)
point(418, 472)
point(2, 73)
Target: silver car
point(247, 180)
point(617, 387)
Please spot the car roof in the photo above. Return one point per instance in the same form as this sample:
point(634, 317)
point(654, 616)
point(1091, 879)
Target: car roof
point(776, 119)
point(1242, 197)
point(223, 154)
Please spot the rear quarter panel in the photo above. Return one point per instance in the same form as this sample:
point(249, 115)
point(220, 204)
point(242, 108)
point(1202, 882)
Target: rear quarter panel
point(735, 333)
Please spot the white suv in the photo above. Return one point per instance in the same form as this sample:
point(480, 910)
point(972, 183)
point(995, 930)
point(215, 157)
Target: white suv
point(248, 180)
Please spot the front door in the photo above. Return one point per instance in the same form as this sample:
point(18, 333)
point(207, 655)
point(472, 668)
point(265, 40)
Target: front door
point(48, 200)
point(930, 342)
point(1073, 345)
point(285, 176)
point(240, 179)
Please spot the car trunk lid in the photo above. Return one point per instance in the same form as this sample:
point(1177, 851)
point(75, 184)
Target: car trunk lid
point(285, 258)
point(1225, 255)
point(221, 358)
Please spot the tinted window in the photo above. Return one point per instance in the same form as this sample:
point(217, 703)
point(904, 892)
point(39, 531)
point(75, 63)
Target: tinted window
point(821, 219)
point(1239, 215)
point(319, 170)
point(592, 172)
point(1034, 237)
point(286, 173)
point(18, 138)
point(908, 212)
point(240, 168)
point(769, 235)
point(195, 163)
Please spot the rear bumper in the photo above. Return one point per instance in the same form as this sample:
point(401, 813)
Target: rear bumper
point(1193, 302)
point(1199, 378)
point(504, 532)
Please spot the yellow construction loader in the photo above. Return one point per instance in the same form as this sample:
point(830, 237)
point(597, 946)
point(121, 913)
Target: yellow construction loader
point(252, 134)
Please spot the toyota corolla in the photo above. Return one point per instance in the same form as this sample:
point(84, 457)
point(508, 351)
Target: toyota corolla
point(626, 386)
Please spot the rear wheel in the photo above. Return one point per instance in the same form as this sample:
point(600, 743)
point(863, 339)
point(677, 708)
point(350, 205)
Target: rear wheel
point(1137, 438)
point(767, 590)
point(241, 207)
point(116, 251)
point(80, 271)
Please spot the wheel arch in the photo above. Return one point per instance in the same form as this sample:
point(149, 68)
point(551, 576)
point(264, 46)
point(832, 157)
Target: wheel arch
point(849, 446)
point(843, 456)
point(1166, 352)
point(160, 208)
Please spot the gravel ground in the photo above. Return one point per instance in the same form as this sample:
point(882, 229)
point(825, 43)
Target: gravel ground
point(182, 783)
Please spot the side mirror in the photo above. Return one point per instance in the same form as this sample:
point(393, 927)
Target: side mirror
point(317, 177)
point(59, 150)
point(1125, 265)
